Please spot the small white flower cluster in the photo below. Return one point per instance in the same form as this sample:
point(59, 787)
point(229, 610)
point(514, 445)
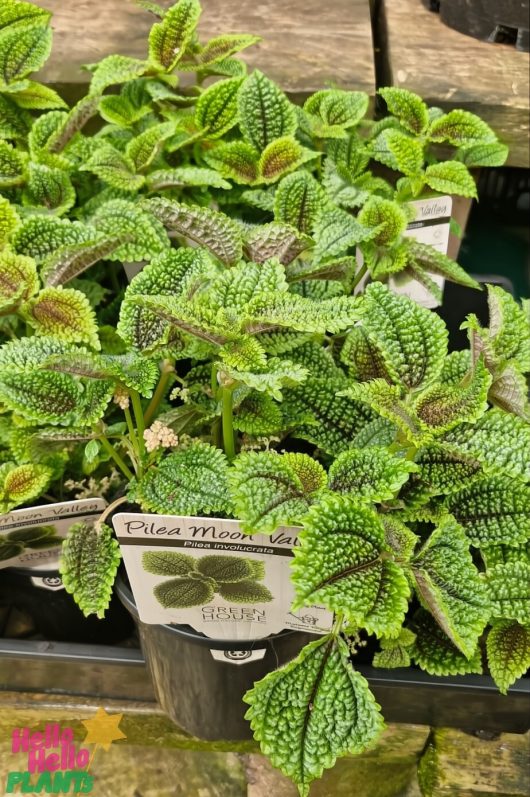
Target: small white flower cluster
point(121, 397)
point(159, 436)
point(94, 488)
point(181, 393)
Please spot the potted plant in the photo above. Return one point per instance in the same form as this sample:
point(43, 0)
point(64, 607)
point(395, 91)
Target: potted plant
point(247, 380)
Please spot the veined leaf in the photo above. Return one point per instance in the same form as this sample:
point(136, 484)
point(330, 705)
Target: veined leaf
point(236, 160)
point(493, 510)
point(450, 586)
point(369, 474)
point(509, 328)
point(23, 484)
point(337, 108)
point(135, 372)
point(38, 97)
point(276, 240)
point(50, 189)
point(217, 50)
point(114, 168)
point(270, 490)
point(509, 391)
point(77, 117)
point(258, 414)
point(14, 121)
point(399, 538)
point(41, 397)
point(18, 280)
point(451, 177)
point(412, 340)
point(234, 288)
point(12, 166)
point(145, 236)
point(456, 365)
point(118, 110)
point(88, 566)
point(444, 471)
point(189, 317)
point(9, 220)
point(435, 653)
point(499, 441)
point(363, 357)
point(169, 38)
point(385, 217)
point(67, 262)
point(399, 151)
point(459, 128)
point(491, 153)
point(190, 481)
point(509, 589)
point(64, 313)
point(142, 149)
point(335, 232)
point(18, 13)
point(209, 228)
point(265, 113)
point(386, 400)
point(340, 564)
point(24, 49)
point(280, 157)
point(296, 312)
point(338, 269)
point(184, 176)
point(313, 710)
point(395, 652)
point(435, 262)
point(275, 375)
point(508, 649)
point(40, 236)
point(216, 109)
point(407, 107)
point(442, 407)
point(115, 69)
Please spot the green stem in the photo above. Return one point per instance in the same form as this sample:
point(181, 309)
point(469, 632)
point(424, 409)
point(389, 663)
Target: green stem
point(358, 277)
point(111, 451)
point(213, 381)
point(132, 430)
point(337, 623)
point(140, 423)
point(160, 391)
point(228, 423)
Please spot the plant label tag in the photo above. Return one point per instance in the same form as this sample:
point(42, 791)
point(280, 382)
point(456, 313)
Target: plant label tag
point(207, 574)
point(238, 656)
point(53, 583)
point(32, 537)
point(431, 225)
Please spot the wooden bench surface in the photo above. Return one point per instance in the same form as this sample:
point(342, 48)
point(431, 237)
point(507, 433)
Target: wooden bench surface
point(307, 44)
point(451, 69)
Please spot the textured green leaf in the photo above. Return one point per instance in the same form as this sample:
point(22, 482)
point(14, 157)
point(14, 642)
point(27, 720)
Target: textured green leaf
point(135, 372)
point(23, 484)
point(386, 400)
point(451, 177)
point(435, 262)
point(459, 128)
point(67, 262)
point(43, 129)
point(234, 288)
point(442, 407)
point(378, 432)
point(280, 157)
point(450, 586)
point(88, 566)
point(499, 441)
point(275, 240)
point(236, 160)
point(509, 391)
point(508, 649)
point(492, 510)
point(50, 189)
point(395, 652)
point(244, 354)
point(369, 474)
point(276, 375)
point(17, 13)
point(145, 235)
point(340, 564)
point(118, 110)
point(44, 397)
point(258, 414)
point(434, 652)
point(298, 313)
point(40, 236)
point(341, 187)
point(412, 339)
point(313, 710)
point(169, 38)
point(209, 228)
point(142, 150)
point(115, 69)
point(407, 107)
point(509, 589)
point(455, 367)
point(190, 481)
point(335, 232)
point(12, 166)
point(220, 48)
point(9, 220)
point(444, 471)
point(336, 108)
point(14, 121)
point(490, 154)
point(77, 117)
point(270, 490)
point(64, 313)
point(339, 269)
point(265, 113)
point(399, 538)
point(216, 110)
point(385, 217)
point(184, 176)
point(509, 327)
point(24, 50)
point(114, 168)
point(363, 357)
point(168, 563)
point(398, 151)
point(335, 419)
point(38, 97)
point(18, 280)
point(187, 316)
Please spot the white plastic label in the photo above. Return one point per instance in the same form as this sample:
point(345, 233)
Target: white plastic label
point(53, 583)
point(41, 550)
point(213, 577)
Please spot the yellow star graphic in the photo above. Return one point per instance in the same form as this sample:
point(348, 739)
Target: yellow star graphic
point(103, 729)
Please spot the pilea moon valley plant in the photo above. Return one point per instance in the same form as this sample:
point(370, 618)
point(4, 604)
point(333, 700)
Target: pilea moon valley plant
point(245, 373)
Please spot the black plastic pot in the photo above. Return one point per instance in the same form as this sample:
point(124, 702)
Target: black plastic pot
point(54, 612)
point(202, 695)
point(489, 20)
